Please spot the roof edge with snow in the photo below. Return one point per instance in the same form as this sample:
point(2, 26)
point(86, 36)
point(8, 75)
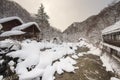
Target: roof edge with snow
point(3, 20)
point(11, 33)
point(111, 29)
point(26, 25)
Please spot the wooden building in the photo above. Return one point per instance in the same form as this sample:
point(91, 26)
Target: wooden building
point(8, 23)
point(28, 30)
point(13, 27)
point(32, 30)
point(111, 40)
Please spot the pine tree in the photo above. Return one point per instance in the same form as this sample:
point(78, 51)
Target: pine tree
point(42, 17)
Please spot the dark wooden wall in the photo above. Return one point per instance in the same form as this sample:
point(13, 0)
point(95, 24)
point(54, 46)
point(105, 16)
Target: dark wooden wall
point(32, 28)
point(10, 24)
point(113, 39)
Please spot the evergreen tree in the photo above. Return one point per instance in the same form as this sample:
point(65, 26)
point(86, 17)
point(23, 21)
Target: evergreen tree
point(42, 17)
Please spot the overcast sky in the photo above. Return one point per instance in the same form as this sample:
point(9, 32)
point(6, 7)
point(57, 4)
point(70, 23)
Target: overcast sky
point(62, 13)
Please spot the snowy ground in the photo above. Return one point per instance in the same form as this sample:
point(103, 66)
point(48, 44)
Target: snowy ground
point(41, 60)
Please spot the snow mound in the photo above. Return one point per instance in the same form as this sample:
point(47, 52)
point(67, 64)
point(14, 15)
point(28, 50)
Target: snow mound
point(106, 62)
point(1, 77)
point(44, 59)
point(43, 63)
point(110, 63)
point(113, 78)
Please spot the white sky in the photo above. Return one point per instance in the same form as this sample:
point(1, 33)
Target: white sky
point(62, 13)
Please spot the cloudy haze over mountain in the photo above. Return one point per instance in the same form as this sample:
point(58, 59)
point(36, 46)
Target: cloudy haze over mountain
point(64, 12)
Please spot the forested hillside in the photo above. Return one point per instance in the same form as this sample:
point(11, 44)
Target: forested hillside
point(91, 27)
point(11, 8)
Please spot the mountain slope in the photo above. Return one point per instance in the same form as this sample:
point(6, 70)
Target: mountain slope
point(11, 8)
point(91, 27)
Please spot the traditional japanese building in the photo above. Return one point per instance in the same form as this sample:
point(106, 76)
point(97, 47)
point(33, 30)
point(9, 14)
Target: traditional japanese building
point(8, 23)
point(111, 40)
point(15, 28)
point(28, 30)
point(31, 29)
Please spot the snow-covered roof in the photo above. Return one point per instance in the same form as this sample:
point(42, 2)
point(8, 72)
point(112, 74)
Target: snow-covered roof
point(26, 25)
point(113, 28)
point(10, 18)
point(11, 33)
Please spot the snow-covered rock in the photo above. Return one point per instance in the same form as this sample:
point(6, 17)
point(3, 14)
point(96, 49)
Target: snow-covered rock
point(13, 44)
point(113, 78)
point(45, 62)
point(106, 62)
point(75, 56)
point(1, 77)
